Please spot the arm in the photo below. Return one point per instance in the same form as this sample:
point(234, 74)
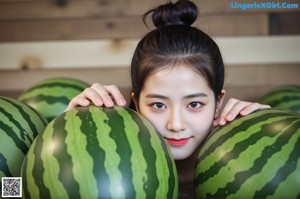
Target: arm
point(99, 95)
point(234, 107)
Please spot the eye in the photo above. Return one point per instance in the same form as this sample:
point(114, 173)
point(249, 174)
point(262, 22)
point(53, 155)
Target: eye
point(194, 105)
point(158, 105)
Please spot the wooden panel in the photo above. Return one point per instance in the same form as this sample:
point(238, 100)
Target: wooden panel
point(285, 23)
point(248, 82)
point(248, 93)
point(251, 82)
point(48, 9)
point(139, 7)
point(255, 75)
point(118, 53)
point(19, 80)
point(41, 9)
point(71, 29)
point(130, 27)
point(234, 24)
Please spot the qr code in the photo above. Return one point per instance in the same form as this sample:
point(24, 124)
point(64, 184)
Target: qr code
point(11, 187)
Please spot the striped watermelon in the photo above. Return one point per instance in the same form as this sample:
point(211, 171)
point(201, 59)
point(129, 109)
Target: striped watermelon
point(51, 97)
point(19, 125)
point(93, 152)
point(286, 97)
point(256, 156)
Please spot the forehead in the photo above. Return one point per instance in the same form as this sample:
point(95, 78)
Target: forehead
point(176, 78)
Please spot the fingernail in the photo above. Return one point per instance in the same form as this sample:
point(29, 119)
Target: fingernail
point(122, 102)
point(222, 121)
point(244, 112)
point(229, 116)
point(99, 102)
point(109, 103)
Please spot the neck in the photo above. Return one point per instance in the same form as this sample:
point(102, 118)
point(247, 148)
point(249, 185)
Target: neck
point(185, 170)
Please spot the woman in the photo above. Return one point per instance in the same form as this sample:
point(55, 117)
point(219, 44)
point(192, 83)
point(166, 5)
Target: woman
point(177, 76)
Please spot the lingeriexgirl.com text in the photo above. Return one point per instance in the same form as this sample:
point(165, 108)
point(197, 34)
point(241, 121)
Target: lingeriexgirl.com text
point(264, 5)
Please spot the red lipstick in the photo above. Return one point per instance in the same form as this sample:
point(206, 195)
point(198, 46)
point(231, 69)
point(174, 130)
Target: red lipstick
point(179, 142)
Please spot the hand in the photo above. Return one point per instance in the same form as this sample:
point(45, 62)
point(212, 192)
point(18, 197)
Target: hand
point(234, 107)
point(99, 95)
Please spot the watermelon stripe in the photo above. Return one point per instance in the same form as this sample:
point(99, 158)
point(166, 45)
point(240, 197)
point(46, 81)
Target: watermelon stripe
point(284, 99)
point(3, 166)
point(259, 163)
point(281, 90)
point(83, 162)
point(241, 127)
point(56, 84)
point(287, 169)
point(38, 167)
point(148, 152)
point(42, 119)
point(138, 161)
point(22, 132)
point(64, 159)
point(295, 107)
point(173, 170)
point(18, 142)
point(25, 191)
point(241, 146)
point(26, 116)
point(50, 99)
point(97, 153)
point(123, 147)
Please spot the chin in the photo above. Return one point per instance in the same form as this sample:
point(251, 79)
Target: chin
point(180, 156)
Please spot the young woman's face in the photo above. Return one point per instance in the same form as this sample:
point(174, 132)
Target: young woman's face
point(180, 104)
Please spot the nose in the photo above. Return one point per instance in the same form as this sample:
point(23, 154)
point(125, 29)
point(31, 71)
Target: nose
point(176, 121)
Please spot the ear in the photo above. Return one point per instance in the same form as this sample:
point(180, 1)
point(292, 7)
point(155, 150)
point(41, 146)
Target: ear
point(219, 103)
point(135, 102)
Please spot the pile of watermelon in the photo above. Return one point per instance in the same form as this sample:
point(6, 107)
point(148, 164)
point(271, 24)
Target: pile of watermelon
point(97, 152)
point(19, 126)
point(87, 152)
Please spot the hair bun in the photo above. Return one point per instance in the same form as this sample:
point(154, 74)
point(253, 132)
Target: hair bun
point(183, 12)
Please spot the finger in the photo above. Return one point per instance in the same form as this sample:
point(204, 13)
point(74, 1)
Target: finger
point(253, 107)
point(92, 95)
point(226, 110)
point(116, 94)
point(236, 109)
point(216, 122)
point(77, 101)
point(100, 95)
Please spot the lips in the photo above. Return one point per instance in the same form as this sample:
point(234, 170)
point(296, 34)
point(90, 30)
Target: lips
point(177, 142)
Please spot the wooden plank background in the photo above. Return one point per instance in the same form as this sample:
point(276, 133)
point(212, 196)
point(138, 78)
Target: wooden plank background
point(119, 21)
point(117, 53)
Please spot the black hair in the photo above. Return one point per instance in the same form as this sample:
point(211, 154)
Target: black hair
point(175, 41)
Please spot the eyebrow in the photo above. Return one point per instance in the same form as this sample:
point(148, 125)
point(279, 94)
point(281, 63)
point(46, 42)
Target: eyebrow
point(185, 97)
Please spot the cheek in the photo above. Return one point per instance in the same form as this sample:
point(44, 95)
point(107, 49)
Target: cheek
point(202, 122)
point(155, 120)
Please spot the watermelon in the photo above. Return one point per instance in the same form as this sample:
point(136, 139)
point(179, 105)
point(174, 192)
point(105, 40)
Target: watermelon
point(97, 152)
point(51, 97)
point(255, 156)
point(286, 97)
point(19, 125)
